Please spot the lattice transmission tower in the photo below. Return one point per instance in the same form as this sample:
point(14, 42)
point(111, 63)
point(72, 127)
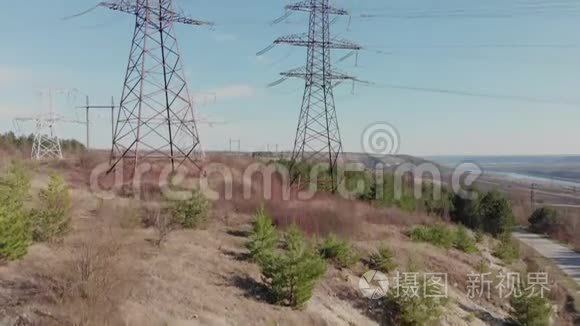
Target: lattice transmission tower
point(46, 143)
point(156, 118)
point(318, 132)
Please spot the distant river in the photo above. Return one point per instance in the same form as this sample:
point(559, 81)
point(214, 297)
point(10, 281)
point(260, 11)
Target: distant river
point(529, 179)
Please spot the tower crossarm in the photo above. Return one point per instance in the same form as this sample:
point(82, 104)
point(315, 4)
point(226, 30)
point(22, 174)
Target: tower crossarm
point(308, 6)
point(303, 40)
point(131, 7)
point(25, 119)
point(121, 5)
point(48, 118)
point(302, 73)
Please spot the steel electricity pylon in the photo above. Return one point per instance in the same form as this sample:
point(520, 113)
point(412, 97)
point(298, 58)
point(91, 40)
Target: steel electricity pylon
point(46, 143)
point(156, 117)
point(318, 133)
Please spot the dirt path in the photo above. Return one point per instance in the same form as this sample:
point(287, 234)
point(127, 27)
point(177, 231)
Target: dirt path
point(566, 259)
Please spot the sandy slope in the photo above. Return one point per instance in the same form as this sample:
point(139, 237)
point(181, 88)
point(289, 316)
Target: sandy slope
point(200, 278)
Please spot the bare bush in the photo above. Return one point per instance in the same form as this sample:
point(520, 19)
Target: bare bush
point(164, 225)
point(88, 160)
point(130, 216)
point(395, 216)
point(317, 216)
point(90, 286)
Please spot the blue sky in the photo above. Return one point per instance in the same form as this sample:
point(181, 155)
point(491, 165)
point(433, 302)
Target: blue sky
point(534, 53)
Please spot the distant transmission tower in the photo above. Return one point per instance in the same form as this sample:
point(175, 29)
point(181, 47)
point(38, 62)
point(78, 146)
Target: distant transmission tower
point(156, 117)
point(46, 143)
point(318, 132)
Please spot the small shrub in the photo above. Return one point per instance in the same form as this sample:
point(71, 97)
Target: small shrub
point(483, 267)
point(422, 309)
point(470, 318)
point(407, 203)
point(463, 241)
point(383, 260)
point(479, 236)
point(193, 212)
point(90, 286)
point(530, 309)
point(544, 220)
point(264, 237)
point(508, 250)
point(438, 235)
point(130, 217)
point(293, 273)
point(339, 251)
point(52, 219)
point(15, 184)
point(15, 230)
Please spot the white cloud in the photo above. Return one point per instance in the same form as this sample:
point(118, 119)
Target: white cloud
point(234, 91)
point(264, 59)
point(224, 37)
point(8, 112)
point(227, 92)
point(10, 75)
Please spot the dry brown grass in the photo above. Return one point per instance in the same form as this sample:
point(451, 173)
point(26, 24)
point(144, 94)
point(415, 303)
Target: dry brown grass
point(521, 208)
point(564, 292)
point(113, 276)
point(88, 160)
point(318, 216)
point(91, 282)
point(323, 214)
point(569, 221)
point(13, 152)
point(570, 229)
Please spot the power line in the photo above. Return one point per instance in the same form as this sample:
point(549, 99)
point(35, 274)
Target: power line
point(505, 8)
point(474, 46)
point(89, 107)
point(468, 57)
point(473, 94)
point(82, 13)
